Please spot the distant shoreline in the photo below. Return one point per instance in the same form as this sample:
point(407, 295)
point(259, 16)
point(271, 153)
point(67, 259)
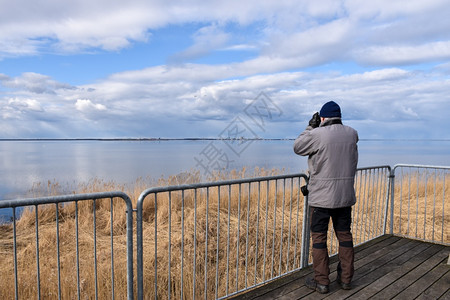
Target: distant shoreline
point(149, 139)
point(197, 139)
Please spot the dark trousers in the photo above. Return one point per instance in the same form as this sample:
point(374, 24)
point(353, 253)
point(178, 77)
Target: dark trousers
point(342, 219)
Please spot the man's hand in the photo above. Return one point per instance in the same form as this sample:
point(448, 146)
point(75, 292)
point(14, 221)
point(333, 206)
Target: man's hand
point(315, 120)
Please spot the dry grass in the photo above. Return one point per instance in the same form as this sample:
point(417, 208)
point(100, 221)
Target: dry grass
point(228, 247)
point(420, 209)
point(243, 261)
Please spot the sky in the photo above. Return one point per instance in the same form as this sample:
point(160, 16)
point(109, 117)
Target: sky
point(175, 69)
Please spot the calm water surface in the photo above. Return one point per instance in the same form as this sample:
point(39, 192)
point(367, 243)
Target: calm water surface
point(25, 163)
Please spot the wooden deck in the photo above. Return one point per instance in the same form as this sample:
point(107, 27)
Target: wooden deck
point(386, 268)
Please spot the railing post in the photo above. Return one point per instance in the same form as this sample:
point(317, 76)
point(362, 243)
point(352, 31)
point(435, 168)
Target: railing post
point(139, 253)
point(392, 196)
point(306, 241)
point(130, 275)
point(304, 254)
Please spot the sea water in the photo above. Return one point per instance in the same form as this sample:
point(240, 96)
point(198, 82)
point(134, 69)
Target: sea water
point(25, 164)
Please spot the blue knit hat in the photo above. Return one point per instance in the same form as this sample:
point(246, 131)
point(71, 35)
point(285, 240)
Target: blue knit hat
point(330, 109)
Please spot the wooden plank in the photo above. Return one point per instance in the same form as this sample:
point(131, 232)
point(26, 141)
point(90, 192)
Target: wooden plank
point(386, 267)
point(405, 281)
point(439, 288)
point(377, 268)
point(365, 263)
point(298, 289)
point(446, 296)
point(295, 280)
point(419, 286)
point(300, 293)
point(285, 288)
point(397, 272)
point(364, 255)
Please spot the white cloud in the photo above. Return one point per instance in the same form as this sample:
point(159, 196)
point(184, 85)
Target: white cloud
point(386, 9)
point(322, 40)
point(206, 39)
point(291, 34)
point(25, 104)
point(35, 83)
point(386, 55)
point(127, 105)
point(113, 32)
point(86, 106)
point(286, 37)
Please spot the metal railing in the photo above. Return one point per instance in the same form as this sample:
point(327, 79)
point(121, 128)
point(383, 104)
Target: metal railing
point(259, 219)
point(221, 238)
point(419, 199)
point(205, 240)
point(64, 247)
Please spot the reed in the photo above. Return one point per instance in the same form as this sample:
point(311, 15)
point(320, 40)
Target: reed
point(240, 235)
point(215, 238)
point(421, 206)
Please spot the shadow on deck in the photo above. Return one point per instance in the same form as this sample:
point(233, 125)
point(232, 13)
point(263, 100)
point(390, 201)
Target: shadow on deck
point(388, 267)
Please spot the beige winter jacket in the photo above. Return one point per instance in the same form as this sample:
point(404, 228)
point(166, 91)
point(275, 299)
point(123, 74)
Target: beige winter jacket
point(332, 160)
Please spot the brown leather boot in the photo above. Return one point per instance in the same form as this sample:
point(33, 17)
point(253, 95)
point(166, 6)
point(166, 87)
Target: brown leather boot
point(320, 288)
point(344, 286)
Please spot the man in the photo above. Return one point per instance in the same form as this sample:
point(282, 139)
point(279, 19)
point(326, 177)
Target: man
point(332, 153)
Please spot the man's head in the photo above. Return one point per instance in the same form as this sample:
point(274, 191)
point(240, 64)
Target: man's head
point(330, 110)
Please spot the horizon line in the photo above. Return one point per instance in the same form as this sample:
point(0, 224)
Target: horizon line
point(201, 138)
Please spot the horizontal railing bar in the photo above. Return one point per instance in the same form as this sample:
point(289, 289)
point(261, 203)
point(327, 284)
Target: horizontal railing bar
point(61, 199)
point(411, 237)
point(374, 167)
point(420, 166)
point(218, 183)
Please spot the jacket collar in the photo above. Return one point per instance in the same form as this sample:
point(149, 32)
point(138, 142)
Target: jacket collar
point(331, 121)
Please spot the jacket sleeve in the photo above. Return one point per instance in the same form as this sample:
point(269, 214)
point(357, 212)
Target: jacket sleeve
point(304, 143)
